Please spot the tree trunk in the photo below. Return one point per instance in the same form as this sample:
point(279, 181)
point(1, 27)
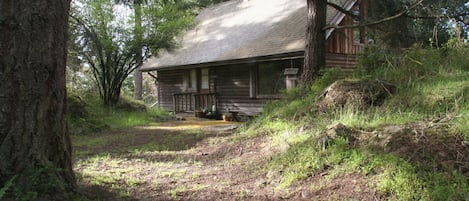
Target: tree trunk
point(138, 56)
point(315, 50)
point(363, 19)
point(35, 149)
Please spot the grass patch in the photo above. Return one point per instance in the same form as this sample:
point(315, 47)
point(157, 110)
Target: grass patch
point(113, 172)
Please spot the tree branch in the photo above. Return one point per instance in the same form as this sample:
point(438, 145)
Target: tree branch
point(344, 11)
point(455, 16)
point(398, 15)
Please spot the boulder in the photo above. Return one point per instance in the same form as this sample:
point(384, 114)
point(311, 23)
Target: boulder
point(360, 94)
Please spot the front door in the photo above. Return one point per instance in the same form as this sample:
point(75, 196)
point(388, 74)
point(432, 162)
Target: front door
point(204, 100)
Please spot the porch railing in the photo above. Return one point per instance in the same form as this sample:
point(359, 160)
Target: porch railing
point(358, 47)
point(183, 102)
point(190, 102)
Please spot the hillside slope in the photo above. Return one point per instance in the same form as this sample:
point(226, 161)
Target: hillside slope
point(414, 146)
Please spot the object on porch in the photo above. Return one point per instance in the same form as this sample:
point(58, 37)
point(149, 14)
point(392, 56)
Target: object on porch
point(227, 116)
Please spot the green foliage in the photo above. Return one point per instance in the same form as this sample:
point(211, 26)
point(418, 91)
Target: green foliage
point(431, 83)
point(112, 41)
point(6, 187)
point(416, 26)
point(87, 114)
point(42, 181)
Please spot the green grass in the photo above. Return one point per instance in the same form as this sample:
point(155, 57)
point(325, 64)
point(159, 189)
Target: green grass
point(117, 175)
point(87, 114)
point(431, 83)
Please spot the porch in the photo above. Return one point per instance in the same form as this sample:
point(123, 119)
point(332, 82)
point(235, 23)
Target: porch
point(195, 102)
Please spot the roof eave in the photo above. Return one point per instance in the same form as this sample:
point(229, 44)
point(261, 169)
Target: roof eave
point(275, 57)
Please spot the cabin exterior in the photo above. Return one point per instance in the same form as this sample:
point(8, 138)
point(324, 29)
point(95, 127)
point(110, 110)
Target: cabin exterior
point(243, 53)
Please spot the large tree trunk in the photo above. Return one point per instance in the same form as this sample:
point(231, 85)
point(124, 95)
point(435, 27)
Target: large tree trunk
point(138, 56)
point(35, 146)
point(315, 50)
point(363, 19)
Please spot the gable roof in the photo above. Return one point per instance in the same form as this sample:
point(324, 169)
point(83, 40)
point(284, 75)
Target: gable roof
point(243, 29)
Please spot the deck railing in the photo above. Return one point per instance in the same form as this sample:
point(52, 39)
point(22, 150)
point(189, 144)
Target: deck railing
point(190, 102)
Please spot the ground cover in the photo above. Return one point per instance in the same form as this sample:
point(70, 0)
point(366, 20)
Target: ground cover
point(191, 160)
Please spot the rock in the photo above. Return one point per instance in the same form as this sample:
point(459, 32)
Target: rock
point(340, 130)
point(359, 94)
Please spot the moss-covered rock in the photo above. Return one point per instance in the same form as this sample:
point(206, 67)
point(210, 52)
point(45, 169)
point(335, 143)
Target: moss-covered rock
point(359, 94)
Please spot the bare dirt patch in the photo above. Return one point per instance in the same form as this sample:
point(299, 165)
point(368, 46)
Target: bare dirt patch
point(192, 160)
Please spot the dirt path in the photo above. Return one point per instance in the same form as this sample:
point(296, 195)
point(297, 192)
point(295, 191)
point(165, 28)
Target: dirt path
point(187, 160)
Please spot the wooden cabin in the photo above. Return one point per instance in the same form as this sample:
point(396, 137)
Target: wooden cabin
point(242, 53)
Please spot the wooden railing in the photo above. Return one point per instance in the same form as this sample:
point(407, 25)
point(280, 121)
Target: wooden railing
point(183, 102)
point(358, 47)
point(190, 102)
point(205, 101)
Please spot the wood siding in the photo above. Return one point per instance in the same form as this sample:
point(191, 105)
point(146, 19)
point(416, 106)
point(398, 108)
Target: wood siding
point(344, 41)
point(233, 85)
point(340, 60)
point(233, 88)
point(169, 83)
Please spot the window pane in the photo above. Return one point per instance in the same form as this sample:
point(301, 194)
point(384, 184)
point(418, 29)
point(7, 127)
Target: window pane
point(204, 81)
point(193, 79)
point(271, 79)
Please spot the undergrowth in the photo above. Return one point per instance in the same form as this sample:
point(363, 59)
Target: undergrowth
point(87, 114)
point(431, 84)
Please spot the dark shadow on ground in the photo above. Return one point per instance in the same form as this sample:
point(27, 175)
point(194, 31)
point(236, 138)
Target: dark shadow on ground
point(146, 139)
point(100, 193)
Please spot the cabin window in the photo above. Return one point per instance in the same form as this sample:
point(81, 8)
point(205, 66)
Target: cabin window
point(204, 79)
point(190, 80)
point(271, 80)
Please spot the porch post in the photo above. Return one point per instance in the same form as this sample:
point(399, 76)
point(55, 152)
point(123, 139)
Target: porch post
point(291, 77)
point(174, 104)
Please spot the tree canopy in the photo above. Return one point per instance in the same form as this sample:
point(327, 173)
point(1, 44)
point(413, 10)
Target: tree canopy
point(429, 22)
point(104, 36)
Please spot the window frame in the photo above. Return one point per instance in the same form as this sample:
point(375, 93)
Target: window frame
point(205, 79)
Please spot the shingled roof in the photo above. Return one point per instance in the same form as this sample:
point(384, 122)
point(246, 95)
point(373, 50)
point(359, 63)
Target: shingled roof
point(243, 29)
